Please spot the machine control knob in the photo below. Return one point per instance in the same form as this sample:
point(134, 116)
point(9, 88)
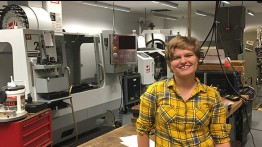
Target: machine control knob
point(114, 48)
point(115, 54)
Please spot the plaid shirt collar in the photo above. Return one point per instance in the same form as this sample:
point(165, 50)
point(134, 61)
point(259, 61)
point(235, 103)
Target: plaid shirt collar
point(201, 87)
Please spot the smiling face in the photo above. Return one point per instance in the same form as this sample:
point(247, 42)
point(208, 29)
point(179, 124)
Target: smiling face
point(182, 54)
point(184, 63)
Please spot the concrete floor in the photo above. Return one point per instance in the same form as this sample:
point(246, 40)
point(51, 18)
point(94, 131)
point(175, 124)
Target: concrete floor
point(254, 138)
point(82, 138)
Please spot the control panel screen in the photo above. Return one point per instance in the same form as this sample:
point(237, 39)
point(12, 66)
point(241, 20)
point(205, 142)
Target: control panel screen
point(124, 47)
point(127, 42)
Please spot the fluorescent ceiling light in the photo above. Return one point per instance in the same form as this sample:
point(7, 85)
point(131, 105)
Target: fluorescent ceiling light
point(226, 2)
point(167, 3)
point(201, 13)
point(165, 16)
point(105, 5)
point(250, 12)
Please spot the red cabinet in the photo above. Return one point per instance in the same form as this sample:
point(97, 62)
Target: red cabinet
point(34, 130)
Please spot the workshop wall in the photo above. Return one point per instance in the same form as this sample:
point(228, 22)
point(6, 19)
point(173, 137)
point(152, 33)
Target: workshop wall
point(198, 28)
point(92, 20)
point(251, 69)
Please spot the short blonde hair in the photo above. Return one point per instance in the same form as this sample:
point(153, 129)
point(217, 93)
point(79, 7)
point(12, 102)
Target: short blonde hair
point(182, 42)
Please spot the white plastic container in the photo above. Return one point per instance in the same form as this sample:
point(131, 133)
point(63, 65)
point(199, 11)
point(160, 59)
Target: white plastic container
point(14, 106)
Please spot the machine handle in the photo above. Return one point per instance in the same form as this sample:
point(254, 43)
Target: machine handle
point(102, 69)
point(153, 69)
point(69, 83)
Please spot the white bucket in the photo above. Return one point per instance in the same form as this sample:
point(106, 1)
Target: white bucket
point(16, 98)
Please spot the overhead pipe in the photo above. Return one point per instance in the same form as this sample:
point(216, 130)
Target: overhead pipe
point(189, 18)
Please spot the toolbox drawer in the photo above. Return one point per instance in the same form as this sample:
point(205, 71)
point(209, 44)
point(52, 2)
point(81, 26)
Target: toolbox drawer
point(34, 130)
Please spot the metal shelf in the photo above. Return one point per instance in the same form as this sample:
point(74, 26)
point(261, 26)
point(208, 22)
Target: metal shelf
point(47, 66)
point(54, 100)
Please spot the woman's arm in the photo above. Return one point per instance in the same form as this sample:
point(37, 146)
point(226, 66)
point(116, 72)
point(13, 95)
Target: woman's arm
point(142, 140)
point(227, 144)
point(219, 128)
point(145, 121)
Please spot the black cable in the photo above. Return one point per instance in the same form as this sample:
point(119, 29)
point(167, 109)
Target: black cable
point(213, 25)
point(112, 115)
point(231, 64)
point(245, 100)
point(217, 34)
point(117, 123)
point(234, 70)
point(237, 93)
point(213, 28)
point(208, 45)
point(250, 90)
point(152, 35)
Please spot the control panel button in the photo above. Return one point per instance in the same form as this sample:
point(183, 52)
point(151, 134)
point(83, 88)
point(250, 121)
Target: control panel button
point(115, 54)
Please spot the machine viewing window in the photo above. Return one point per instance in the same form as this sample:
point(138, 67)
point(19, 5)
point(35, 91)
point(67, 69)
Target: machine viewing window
point(127, 42)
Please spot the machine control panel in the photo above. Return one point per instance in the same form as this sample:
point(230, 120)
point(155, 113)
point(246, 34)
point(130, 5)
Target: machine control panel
point(124, 47)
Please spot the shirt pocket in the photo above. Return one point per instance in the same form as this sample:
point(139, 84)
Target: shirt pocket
point(167, 113)
point(201, 116)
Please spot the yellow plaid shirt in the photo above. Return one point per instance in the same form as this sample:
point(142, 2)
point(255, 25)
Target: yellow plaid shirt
point(200, 121)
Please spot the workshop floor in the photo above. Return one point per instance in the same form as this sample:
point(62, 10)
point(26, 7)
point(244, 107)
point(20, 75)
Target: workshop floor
point(256, 131)
point(82, 138)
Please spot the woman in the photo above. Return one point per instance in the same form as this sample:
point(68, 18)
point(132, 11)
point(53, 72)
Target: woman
point(181, 111)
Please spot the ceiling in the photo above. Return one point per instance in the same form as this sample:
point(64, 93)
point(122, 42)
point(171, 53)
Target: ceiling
point(182, 10)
